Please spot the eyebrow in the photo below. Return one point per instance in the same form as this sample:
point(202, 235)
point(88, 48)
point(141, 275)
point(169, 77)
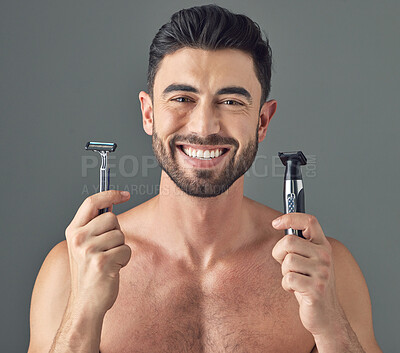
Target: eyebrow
point(226, 90)
point(179, 87)
point(236, 90)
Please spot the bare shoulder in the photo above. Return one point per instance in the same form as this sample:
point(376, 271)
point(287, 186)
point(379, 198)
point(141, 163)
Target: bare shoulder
point(353, 294)
point(350, 281)
point(346, 267)
point(262, 216)
point(261, 211)
point(49, 298)
point(54, 274)
point(138, 219)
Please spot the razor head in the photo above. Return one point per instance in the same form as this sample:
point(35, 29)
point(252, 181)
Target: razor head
point(293, 156)
point(101, 146)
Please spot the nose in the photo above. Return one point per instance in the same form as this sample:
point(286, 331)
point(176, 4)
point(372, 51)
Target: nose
point(203, 120)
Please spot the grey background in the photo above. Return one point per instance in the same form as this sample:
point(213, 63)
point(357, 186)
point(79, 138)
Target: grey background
point(71, 72)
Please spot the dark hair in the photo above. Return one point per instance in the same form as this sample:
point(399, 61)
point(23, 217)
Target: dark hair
point(212, 27)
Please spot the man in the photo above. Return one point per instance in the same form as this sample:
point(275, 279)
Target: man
point(200, 267)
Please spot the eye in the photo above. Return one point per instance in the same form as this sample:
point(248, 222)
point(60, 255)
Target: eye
point(181, 100)
point(231, 102)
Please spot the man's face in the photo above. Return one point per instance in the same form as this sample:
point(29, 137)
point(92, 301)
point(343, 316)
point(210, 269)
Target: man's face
point(205, 118)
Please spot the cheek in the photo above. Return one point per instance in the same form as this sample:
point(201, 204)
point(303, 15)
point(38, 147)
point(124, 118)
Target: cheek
point(246, 134)
point(241, 128)
point(242, 120)
point(169, 120)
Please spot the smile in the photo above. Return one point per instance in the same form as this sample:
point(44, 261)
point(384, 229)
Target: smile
point(203, 154)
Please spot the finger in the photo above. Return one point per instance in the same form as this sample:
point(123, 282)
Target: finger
point(101, 224)
point(109, 240)
point(292, 244)
point(296, 282)
point(121, 255)
point(305, 222)
point(91, 206)
point(297, 263)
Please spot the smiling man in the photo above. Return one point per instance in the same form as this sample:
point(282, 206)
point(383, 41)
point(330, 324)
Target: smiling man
point(208, 135)
point(200, 267)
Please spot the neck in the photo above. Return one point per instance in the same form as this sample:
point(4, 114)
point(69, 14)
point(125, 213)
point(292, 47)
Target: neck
point(201, 230)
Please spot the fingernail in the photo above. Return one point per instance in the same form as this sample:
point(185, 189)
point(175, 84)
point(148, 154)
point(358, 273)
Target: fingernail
point(275, 222)
point(125, 193)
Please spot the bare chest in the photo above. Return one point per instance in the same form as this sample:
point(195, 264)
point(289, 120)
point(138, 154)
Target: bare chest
point(242, 308)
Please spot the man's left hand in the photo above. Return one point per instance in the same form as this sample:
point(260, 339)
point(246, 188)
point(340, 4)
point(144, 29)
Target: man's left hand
point(307, 269)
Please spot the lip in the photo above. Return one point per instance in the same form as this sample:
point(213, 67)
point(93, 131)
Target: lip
point(205, 147)
point(200, 163)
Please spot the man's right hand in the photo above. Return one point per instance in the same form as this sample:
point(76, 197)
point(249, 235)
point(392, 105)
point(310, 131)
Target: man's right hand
point(97, 252)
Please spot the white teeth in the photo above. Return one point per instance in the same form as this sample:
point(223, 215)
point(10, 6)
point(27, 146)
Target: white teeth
point(202, 154)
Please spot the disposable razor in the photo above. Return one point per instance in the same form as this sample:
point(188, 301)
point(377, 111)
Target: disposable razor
point(104, 148)
point(293, 191)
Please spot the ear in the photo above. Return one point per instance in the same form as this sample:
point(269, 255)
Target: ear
point(266, 113)
point(146, 106)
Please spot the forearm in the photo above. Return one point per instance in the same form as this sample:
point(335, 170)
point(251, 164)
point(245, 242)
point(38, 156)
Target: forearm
point(79, 332)
point(342, 339)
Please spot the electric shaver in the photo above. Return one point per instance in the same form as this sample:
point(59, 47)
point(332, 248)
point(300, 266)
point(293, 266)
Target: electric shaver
point(104, 148)
point(293, 191)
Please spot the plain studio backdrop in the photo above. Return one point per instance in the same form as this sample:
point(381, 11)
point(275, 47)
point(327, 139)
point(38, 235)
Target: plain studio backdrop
point(71, 72)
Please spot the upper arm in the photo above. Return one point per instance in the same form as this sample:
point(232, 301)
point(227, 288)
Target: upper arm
point(353, 295)
point(49, 299)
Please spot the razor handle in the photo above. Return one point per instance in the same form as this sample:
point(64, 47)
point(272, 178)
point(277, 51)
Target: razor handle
point(104, 177)
point(293, 200)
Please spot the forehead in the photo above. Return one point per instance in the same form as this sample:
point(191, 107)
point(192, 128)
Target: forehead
point(208, 70)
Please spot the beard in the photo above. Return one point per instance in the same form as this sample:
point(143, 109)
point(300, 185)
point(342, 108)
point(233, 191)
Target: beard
point(204, 182)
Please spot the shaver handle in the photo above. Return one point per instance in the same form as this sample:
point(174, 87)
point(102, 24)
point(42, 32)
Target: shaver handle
point(104, 184)
point(300, 202)
point(294, 202)
point(300, 208)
